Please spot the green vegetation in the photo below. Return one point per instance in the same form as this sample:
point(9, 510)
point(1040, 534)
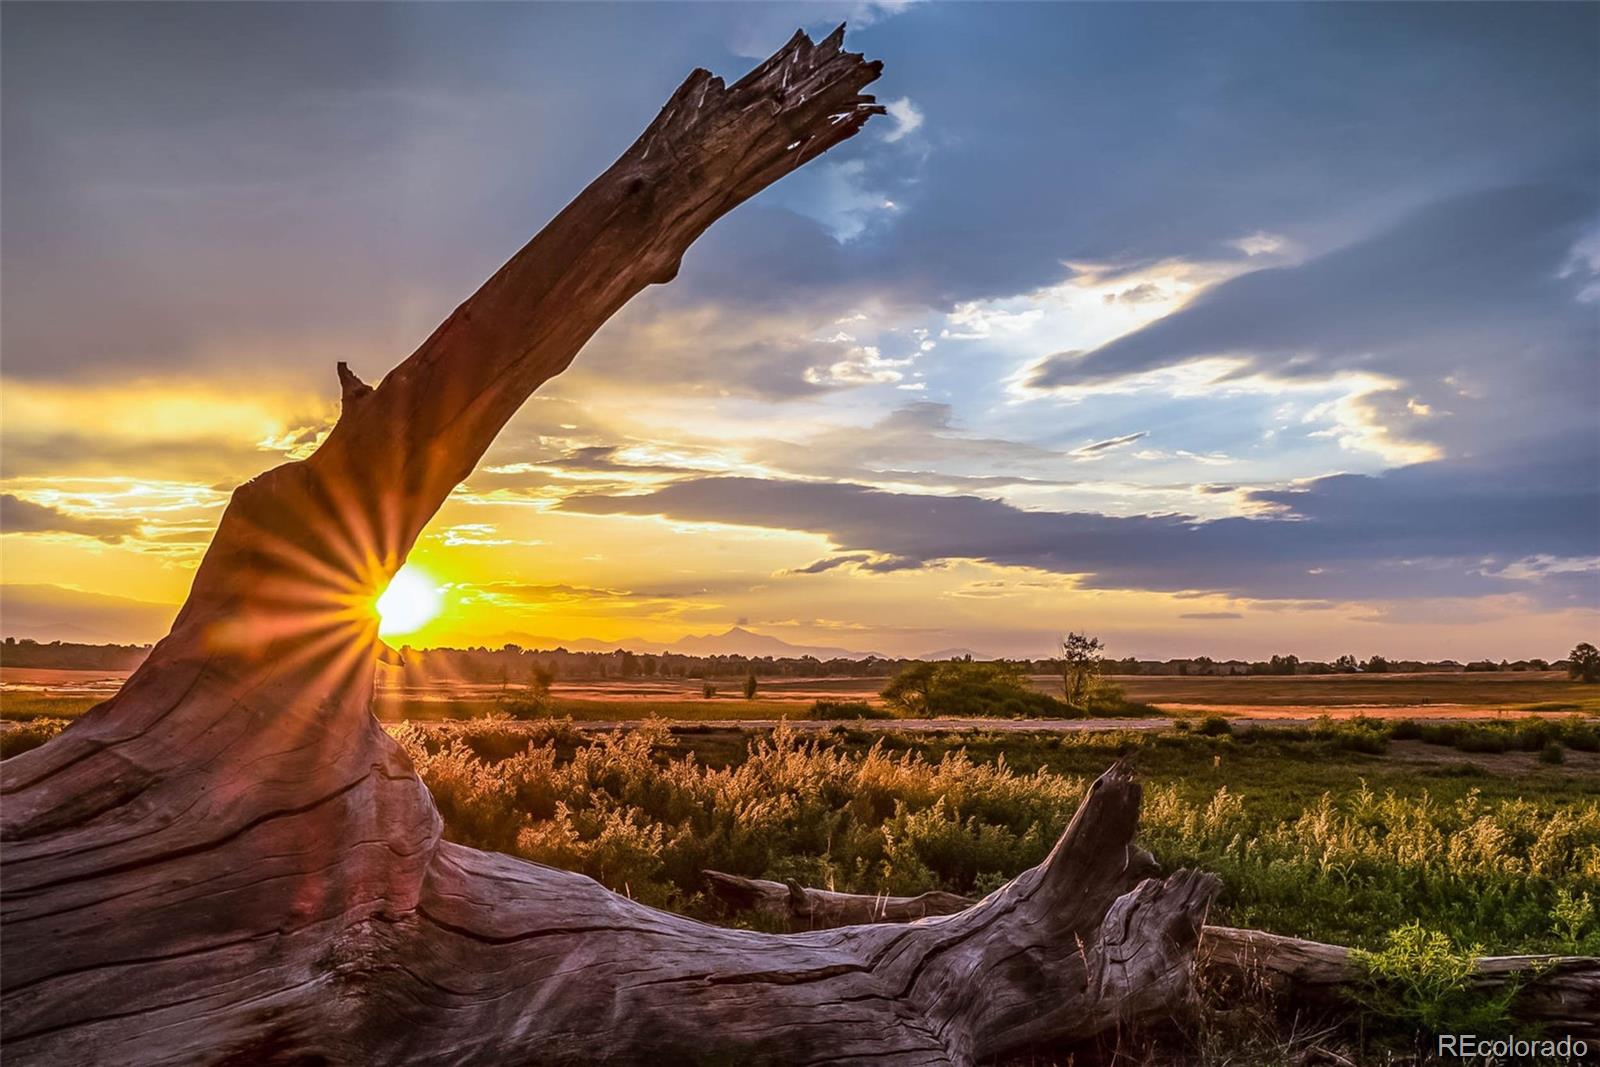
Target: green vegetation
point(1419, 983)
point(1305, 841)
point(847, 709)
point(30, 734)
point(21, 706)
point(1583, 663)
point(1080, 667)
point(968, 688)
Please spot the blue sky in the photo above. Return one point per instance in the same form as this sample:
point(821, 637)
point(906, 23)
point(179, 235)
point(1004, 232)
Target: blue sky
point(1283, 315)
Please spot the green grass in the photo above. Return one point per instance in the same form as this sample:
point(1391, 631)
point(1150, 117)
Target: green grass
point(1412, 851)
point(1550, 690)
point(590, 710)
point(21, 706)
point(1384, 836)
point(1311, 838)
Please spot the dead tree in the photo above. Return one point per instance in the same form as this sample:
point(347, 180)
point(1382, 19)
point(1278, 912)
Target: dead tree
point(1559, 993)
point(229, 862)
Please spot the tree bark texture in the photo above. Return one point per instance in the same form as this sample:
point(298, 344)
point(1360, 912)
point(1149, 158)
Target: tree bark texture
point(1559, 993)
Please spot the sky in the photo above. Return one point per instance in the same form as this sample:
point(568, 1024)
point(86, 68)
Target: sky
point(1223, 330)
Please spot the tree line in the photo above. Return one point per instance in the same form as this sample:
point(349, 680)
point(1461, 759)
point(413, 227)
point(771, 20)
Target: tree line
point(514, 664)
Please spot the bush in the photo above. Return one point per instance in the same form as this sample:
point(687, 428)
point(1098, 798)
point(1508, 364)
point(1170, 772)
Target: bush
point(526, 708)
point(962, 688)
point(1553, 753)
point(1421, 982)
point(1214, 726)
point(20, 737)
point(847, 709)
point(708, 690)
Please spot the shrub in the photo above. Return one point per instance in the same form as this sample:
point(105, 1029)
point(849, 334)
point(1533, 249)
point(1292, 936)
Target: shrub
point(20, 737)
point(961, 688)
point(1553, 753)
point(1214, 726)
point(526, 708)
point(847, 709)
point(708, 690)
point(1573, 916)
point(1421, 982)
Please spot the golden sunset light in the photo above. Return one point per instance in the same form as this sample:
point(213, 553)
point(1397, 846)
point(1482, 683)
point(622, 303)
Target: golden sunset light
point(642, 534)
point(411, 601)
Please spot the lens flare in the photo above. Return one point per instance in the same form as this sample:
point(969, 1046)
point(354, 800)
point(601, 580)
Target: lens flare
point(410, 603)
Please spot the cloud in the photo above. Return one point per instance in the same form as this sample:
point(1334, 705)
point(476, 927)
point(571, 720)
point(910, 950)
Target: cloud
point(861, 561)
point(862, 365)
point(18, 516)
point(1215, 615)
point(1348, 538)
point(1091, 450)
point(907, 119)
point(1466, 290)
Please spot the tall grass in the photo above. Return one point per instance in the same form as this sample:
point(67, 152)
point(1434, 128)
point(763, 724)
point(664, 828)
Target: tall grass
point(1350, 865)
point(1346, 868)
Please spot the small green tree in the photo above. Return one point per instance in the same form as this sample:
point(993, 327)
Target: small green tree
point(708, 690)
point(1583, 663)
point(534, 700)
point(909, 690)
point(750, 686)
point(1080, 666)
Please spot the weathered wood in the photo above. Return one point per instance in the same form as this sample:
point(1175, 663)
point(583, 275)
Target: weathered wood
point(229, 862)
point(1560, 993)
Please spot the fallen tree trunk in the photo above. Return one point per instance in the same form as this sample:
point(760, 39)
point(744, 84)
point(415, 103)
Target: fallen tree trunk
point(230, 862)
point(1559, 993)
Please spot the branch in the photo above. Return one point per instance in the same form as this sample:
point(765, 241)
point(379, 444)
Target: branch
point(1559, 993)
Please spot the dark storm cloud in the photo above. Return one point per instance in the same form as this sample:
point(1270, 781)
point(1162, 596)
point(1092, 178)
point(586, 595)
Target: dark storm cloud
point(1359, 546)
point(18, 516)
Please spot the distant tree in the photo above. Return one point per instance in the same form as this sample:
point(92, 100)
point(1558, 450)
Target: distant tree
point(909, 690)
point(1376, 665)
point(1283, 664)
point(539, 678)
point(1130, 665)
point(750, 686)
point(1539, 664)
point(1583, 663)
point(1080, 666)
point(1346, 665)
point(708, 690)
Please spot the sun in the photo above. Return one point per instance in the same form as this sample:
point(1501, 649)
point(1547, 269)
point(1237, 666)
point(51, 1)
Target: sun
point(410, 603)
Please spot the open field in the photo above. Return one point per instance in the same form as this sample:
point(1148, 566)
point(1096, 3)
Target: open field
point(1362, 811)
point(27, 692)
point(1313, 837)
